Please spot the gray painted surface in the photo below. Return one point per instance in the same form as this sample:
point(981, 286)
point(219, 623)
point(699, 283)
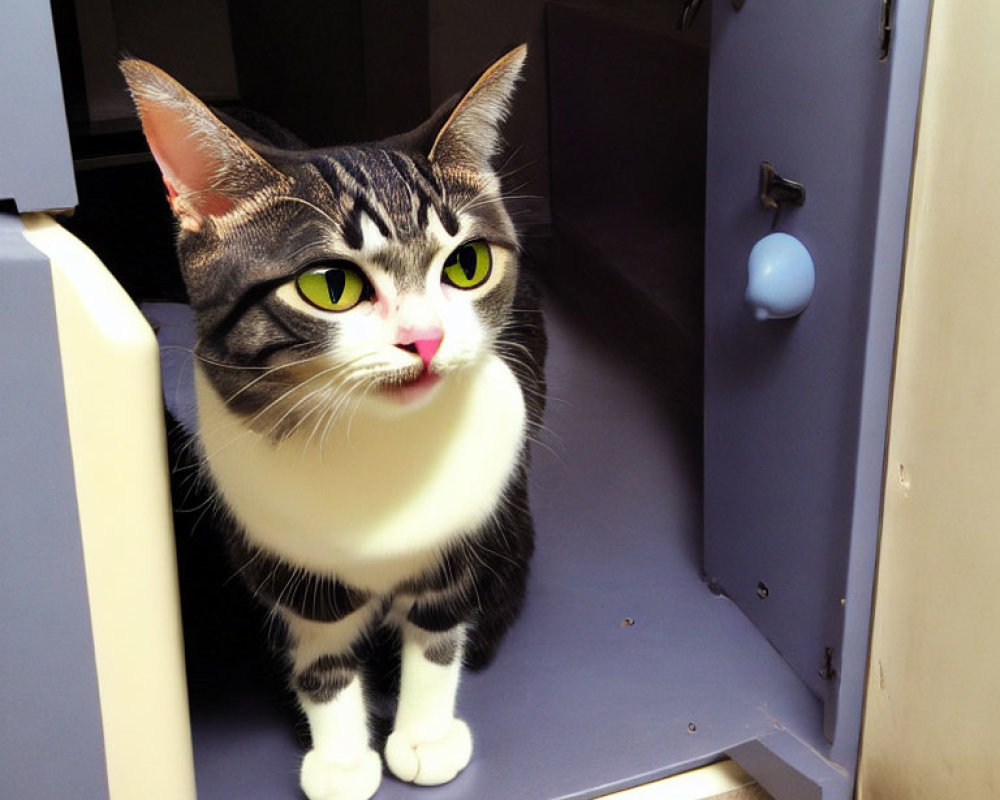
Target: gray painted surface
point(576, 704)
point(51, 742)
point(789, 770)
point(799, 85)
point(796, 411)
point(843, 720)
point(36, 168)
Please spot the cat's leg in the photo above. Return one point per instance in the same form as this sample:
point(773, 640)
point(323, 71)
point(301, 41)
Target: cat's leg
point(428, 745)
point(325, 675)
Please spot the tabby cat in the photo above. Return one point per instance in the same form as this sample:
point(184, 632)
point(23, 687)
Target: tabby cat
point(368, 375)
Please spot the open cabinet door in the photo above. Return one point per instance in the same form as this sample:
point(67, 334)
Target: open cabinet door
point(795, 408)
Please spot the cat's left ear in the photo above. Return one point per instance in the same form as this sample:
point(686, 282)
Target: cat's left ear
point(470, 136)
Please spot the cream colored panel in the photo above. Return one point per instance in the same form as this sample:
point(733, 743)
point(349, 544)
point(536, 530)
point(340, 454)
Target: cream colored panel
point(725, 780)
point(112, 380)
point(932, 727)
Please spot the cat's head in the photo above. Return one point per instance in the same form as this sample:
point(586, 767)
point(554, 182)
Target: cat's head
point(367, 273)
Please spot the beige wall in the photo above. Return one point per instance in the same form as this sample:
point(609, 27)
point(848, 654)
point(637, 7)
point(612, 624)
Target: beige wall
point(932, 727)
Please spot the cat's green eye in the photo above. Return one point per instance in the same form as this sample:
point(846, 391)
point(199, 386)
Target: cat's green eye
point(469, 266)
point(333, 286)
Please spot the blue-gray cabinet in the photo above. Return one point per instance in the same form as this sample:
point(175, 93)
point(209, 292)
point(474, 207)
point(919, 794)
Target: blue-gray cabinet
point(708, 495)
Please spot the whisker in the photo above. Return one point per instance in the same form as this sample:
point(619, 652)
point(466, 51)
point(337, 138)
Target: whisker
point(276, 431)
point(249, 367)
point(334, 370)
point(358, 390)
point(289, 198)
point(271, 372)
point(274, 403)
point(324, 409)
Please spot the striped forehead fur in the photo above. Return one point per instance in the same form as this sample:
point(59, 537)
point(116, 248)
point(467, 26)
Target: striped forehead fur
point(407, 190)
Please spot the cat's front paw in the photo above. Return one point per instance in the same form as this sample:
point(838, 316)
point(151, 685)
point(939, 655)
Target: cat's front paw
point(429, 763)
point(323, 778)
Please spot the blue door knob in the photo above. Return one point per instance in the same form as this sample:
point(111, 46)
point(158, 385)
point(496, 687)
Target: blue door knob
point(781, 277)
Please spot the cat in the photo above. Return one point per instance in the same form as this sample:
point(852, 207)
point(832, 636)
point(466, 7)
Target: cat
point(369, 373)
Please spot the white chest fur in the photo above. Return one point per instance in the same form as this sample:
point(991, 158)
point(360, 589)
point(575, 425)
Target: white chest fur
point(383, 492)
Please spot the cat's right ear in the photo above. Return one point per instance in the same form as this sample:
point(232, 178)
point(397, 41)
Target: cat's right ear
point(205, 166)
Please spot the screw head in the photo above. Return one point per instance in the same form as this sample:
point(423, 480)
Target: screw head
point(762, 591)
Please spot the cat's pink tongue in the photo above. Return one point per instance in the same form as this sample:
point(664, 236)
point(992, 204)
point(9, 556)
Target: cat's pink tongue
point(426, 348)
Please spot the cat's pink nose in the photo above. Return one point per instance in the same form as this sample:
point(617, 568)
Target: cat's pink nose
point(426, 348)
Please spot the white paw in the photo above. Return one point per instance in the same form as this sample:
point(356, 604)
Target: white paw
point(327, 779)
point(429, 763)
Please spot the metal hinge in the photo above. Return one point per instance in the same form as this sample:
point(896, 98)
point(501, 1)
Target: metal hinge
point(828, 671)
point(885, 30)
point(689, 10)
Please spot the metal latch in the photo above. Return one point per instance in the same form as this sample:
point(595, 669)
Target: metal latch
point(775, 191)
point(885, 30)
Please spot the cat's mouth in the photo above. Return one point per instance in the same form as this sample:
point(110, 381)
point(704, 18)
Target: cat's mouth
point(411, 387)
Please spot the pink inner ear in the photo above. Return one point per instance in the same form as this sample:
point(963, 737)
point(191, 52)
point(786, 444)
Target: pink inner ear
point(171, 191)
point(189, 170)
